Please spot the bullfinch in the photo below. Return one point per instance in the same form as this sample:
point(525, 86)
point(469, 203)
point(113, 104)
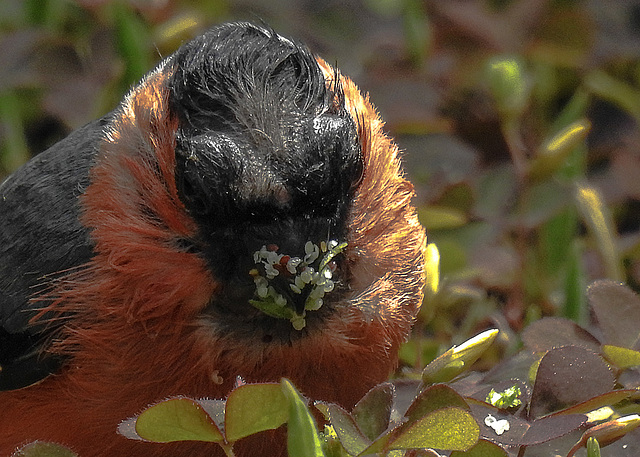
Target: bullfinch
point(241, 213)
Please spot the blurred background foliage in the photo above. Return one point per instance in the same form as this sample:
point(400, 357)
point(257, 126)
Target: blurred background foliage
point(518, 119)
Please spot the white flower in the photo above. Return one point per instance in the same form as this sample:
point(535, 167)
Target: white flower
point(499, 426)
point(280, 300)
point(293, 263)
point(328, 286)
point(298, 321)
point(300, 275)
point(313, 304)
point(270, 271)
point(311, 252)
point(307, 275)
point(273, 257)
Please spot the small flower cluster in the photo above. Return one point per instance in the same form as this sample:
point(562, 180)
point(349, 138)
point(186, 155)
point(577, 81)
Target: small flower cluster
point(311, 271)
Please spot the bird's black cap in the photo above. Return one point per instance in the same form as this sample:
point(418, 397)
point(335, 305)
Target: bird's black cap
point(267, 153)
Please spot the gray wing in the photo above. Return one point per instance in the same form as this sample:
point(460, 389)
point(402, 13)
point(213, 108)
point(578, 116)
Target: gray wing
point(40, 236)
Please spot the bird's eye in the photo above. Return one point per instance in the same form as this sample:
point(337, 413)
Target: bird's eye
point(205, 169)
point(192, 195)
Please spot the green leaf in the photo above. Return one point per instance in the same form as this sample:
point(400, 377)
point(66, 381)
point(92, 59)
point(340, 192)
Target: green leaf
point(575, 305)
point(616, 309)
point(303, 439)
point(555, 151)
point(177, 419)
point(396, 453)
point(15, 150)
point(593, 447)
point(269, 306)
point(482, 448)
point(507, 398)
point(41, 449)
point(458, 358)
point(373, 412)
point(432, 270)
point(380, 444)
point(607, 432)
point(598, 402)
point(573, 110)
point(252, 408)
point(433, 398)
point(440, 217)
point(447, 428)
point(417, 31)
point(614, 90)
point(331, 445)
point(132, 36)
point(600, 223)
point(545, 199)
point(621, 357)
point(350, 435)
point(508, 84)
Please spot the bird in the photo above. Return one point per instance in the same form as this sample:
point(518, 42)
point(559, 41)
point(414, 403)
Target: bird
point(241, 214)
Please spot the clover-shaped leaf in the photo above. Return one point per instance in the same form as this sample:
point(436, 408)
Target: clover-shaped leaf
point(434, 398)
point(621, 357)
point(438, 418)
point(447, 428)
point(177, 419)
point(617, 310)
point(252, 408)
point(560, 379)
point(372, 413)
point(552, 332)
point(43, 449)
point(351, 437)
point(482, 448)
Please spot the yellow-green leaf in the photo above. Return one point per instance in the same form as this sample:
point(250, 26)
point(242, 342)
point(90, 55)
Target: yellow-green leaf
point(593, 447)
point(302, 437)
point(600, 222)
point(447, 428)
point(458, 358)
point(482, 448)
point(621, 357)
point(555, 151)
point(252, 408)
point(434, 398)
point(614, 90)
point(177, 419)
point(439, 217)
point(345, 427)
point(432, 269)
point(42, 449)
point(508, 84)
point(607, 432)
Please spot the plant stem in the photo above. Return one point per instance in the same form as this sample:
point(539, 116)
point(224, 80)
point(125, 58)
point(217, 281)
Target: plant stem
point(228, 449)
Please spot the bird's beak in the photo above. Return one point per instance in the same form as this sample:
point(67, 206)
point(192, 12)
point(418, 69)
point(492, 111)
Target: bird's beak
point(289, 286)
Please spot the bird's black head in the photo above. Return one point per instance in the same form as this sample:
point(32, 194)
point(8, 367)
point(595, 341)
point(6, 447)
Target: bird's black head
point(268, 160)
